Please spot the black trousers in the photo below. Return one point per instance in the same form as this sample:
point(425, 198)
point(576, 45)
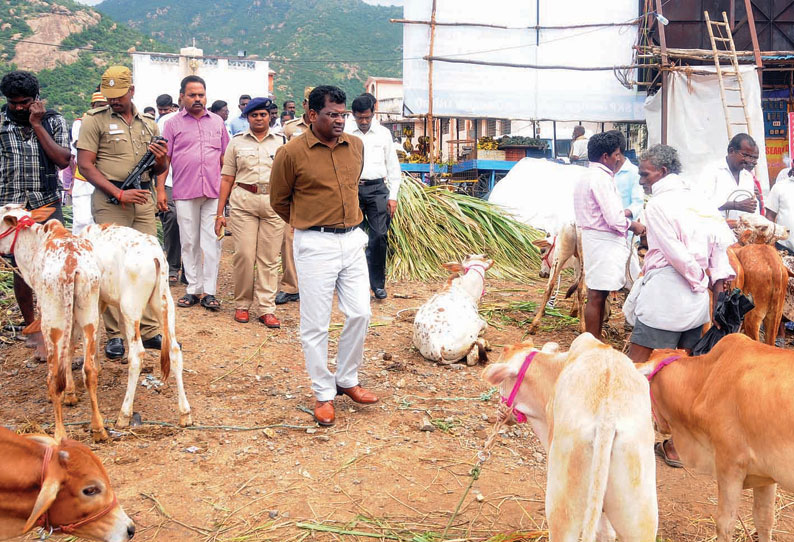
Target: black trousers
point(372, 199)
point(172, 246)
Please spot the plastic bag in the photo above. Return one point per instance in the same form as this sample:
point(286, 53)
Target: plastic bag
point(728, 315)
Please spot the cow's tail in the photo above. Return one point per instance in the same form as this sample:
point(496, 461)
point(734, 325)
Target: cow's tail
point(602, 450)
point(167, 308)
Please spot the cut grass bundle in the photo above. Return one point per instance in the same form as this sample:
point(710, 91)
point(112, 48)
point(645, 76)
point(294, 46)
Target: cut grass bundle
point(433, 226)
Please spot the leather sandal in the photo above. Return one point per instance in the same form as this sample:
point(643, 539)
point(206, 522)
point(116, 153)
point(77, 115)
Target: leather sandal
point(187, 300)
point(661, 451)
point(210, 303)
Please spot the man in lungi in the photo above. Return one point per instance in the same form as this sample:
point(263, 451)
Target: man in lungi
point(687, 254)
point(604, 223)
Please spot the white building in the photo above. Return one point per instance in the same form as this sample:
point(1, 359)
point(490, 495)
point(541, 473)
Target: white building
point(226, 77)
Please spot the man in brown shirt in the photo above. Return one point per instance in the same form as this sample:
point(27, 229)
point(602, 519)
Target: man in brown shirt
point(314, 187)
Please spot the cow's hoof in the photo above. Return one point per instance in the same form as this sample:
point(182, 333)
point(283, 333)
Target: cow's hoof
point(122, 422)
point(99, 435)
point(185, 420)
point(532, 329)
point(70, 399)
point(473, 357)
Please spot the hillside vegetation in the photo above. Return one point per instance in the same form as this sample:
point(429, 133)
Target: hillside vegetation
point(68, 46)
point(302, 34)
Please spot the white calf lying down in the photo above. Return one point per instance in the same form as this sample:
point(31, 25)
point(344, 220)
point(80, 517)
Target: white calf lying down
point(135, 276)
point(751, 229)
point(448, 328)
point(593, 416)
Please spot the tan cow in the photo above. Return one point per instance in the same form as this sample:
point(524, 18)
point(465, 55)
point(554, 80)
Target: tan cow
point(565, 250)
point(62, 271)
point(731, 414)
point(60, 487)
point(591, 411)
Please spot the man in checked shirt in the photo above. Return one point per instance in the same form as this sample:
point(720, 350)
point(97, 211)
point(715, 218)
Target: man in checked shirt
point(34, 145)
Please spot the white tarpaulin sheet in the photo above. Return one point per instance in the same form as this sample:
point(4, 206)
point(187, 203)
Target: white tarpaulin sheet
point(696, 120)
point(539, 193)
point(465, 90)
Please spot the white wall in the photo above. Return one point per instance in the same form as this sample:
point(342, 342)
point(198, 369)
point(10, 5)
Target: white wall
point(154, 74)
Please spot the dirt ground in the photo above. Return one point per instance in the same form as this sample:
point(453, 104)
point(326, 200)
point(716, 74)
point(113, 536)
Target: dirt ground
point(257, 468)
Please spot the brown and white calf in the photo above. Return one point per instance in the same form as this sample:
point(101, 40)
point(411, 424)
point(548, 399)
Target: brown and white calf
point(591, 411)
point(134, 277)
point(448, 327)
point(64, 274)
point(731, 414)
point(57, 485)
point(565, 250)
point(751, 228)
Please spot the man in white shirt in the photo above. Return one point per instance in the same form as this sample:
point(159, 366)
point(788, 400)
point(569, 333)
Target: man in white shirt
point(82, 190)
point(578, 144)
point(780, 205)
point(728, 184)
point(377, 189)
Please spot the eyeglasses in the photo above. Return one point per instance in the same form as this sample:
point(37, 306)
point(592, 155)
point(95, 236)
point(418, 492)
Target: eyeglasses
point(333, 116)
point(750, 157)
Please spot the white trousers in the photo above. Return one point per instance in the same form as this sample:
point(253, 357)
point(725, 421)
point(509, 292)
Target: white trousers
point(326, 262)
point(201, 249)
point(81, 213)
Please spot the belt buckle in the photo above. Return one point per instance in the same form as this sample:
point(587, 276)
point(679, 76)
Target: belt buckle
point(262, 188)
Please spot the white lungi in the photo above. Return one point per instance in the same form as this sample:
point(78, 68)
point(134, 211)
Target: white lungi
point(326, 262)
point(81, 205)
point(666, 301)
point(201, 249)
point(605, 257)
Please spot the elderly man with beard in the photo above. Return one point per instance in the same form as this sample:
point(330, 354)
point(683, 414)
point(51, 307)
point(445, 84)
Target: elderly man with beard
point(34, 145)
point(687, 254)
point(314, 187)
point(197, 140)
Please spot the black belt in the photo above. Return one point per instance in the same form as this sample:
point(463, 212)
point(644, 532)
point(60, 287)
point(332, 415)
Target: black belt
point(144, 186)
point(368, 182)
point(328, 229)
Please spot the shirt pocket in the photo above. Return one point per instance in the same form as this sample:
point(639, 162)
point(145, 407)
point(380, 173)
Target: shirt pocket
point(247, 158)
point(118, 144)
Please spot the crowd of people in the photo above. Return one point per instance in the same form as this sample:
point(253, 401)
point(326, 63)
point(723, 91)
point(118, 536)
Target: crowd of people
point(317, 192)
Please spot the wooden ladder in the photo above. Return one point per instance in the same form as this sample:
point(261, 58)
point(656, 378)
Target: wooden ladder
point(720, 33)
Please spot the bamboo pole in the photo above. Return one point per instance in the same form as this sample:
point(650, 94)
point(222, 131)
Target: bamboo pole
point(431, 141)
point(665, 74)
point(748, 6)
point(535, 27)
point(537, 66)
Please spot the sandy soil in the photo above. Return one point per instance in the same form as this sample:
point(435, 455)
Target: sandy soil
point(375, 471)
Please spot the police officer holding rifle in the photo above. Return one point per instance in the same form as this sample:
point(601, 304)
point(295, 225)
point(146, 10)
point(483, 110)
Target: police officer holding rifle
point(113, 141)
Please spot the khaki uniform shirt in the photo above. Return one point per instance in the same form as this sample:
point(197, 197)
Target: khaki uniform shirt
point(118, 146)
point(249, 160)
point(314, 185)
point(295, 127)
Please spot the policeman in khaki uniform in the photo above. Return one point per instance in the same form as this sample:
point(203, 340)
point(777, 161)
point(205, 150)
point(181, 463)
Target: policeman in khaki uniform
point(257, 230)
point(288, 290)
point(113, 139)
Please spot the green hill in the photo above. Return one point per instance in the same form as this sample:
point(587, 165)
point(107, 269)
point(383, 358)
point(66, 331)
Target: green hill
point(301, 36)
point(68, 46)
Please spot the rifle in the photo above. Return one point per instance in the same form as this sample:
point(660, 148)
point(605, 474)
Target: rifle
point(134, 178)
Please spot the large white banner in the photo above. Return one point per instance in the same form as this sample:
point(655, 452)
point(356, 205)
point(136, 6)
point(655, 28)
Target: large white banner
point(467, 90)
point(696, 120)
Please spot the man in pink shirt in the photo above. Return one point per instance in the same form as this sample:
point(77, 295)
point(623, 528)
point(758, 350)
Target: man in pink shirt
point(687, 254)
point(604, 223)
point(197, 140)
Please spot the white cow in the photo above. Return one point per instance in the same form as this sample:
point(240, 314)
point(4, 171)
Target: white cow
point(592, 414)
point(134, 277)
point(448, 327)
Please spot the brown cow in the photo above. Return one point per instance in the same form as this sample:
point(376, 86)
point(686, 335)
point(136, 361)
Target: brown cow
point(731, 414)
point(60, 487)
point(761, 273)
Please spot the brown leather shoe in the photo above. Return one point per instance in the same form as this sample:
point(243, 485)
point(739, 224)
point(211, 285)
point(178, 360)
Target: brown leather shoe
point(241, 315)
point(324, 412)
point(358, 394)
point(270, 321)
